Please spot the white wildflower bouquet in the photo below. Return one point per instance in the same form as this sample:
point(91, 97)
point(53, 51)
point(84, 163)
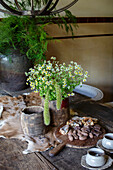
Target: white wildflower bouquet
point(55, 80)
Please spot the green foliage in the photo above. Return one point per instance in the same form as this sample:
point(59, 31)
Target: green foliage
point(46, 110)
point(22, 33)
point(28, 33)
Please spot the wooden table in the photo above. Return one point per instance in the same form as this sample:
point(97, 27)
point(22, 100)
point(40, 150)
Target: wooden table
point(69, 158)
point(11, 157)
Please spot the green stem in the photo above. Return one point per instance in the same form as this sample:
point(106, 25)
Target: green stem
point(46, 110)
point(58, 96)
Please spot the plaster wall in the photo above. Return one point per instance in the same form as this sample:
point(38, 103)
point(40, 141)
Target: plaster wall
point(91, 8)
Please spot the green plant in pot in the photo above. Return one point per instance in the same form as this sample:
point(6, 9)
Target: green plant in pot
point(55, 81)
point(23, 44)
point(23, 40)
point(27, 33)
point(22, 33)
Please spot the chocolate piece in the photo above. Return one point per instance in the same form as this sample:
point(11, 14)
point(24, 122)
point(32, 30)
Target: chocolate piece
point(87, 121)
point(74, 132)
point(75, 136)
point(85, 129)
point(97, 127)
point(70, 137)
point(82, 137)
point(84, 133)
point(64, 130)
point(91, 135)
point(95, 133)
point(77, 128)
point(70, 132)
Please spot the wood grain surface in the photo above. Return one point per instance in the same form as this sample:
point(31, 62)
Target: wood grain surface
point(12, 158)
point(70, 158)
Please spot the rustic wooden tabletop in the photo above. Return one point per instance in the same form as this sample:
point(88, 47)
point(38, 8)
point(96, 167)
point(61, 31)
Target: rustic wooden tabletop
point(70, 158)
point(12, 158)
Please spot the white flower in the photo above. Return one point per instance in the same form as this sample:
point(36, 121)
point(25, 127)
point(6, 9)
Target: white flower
point(45, 87)
point(36, 91)
point(36, 73)
point(53, 58)
point(28, 79)
point(49, 67)
point(53, 70)
point(47, 83)
point(71, 62)
point(50, 87)
point(48, 61)
point(68, 87)
point(84, 80)
point(76, 67)
point(67, 69)
point(36, 82)
point(72, 94)
point(70, 67)
point(75, 63)
point(39, 78)
point(43, 65)
point(43, 71)
point(64, 85)
point(75, 72)
point(43, 78)
point(57, 69)
point(56, 65)
point(80, 73)
point(86, 74)
point(40, 68)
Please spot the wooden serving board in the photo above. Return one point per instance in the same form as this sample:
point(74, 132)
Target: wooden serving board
point(77, 143)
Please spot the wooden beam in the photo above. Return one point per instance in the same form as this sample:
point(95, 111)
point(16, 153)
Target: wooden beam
point(84, 20)
point(84, 36)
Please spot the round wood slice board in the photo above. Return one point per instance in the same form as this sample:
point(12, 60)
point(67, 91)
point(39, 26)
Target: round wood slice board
point(77, 143)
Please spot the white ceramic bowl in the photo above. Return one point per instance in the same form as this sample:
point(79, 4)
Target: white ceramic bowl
point(107, 141)
point(95, 157)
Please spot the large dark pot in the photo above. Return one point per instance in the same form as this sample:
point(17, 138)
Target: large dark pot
point(12, 71)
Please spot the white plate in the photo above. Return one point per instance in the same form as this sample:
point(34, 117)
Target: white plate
point(108, 163)
point(90, 91)
point(99, 145)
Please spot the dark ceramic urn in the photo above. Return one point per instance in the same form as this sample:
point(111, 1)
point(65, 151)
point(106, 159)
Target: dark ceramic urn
point(12, 71)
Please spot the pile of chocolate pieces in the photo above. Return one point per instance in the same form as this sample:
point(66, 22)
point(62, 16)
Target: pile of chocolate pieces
point(81, 128)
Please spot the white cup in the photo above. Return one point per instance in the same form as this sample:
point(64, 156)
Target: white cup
point(107, 141)
point(95, 157)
